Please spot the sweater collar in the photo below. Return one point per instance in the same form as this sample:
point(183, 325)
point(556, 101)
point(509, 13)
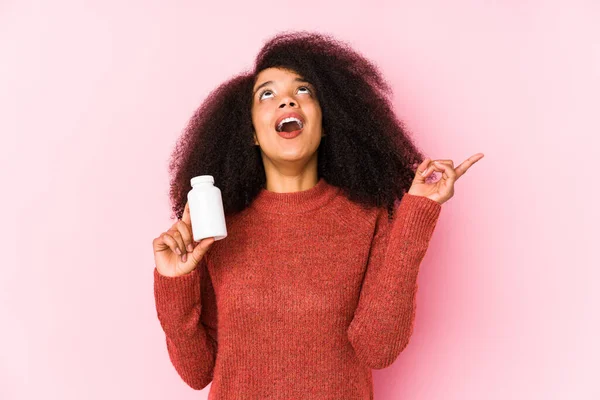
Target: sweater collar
point(295, 202)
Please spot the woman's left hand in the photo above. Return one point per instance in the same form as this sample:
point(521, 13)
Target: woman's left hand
point(442, 190)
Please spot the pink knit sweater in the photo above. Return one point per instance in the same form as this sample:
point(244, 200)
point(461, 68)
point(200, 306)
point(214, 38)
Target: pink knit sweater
point(305, 296)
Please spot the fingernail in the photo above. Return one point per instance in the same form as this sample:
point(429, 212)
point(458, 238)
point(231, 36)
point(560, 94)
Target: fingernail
point(184, 258)
point(190, 247)
point(423, 172)
point(178, 251)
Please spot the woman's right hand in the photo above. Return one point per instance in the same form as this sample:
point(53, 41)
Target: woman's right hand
point(175, 251)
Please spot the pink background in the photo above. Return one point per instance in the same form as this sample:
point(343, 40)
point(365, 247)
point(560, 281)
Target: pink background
point(94, 94)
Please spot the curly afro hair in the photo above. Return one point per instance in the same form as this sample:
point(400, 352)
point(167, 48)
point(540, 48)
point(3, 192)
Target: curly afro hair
point(367, 152)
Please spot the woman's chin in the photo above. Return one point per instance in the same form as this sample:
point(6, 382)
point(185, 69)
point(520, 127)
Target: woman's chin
point(293, 153)
point(294, 150)
point(291, 156)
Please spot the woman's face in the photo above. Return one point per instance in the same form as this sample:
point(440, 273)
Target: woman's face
point(276, 93)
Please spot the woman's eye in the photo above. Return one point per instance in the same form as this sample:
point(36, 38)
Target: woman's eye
point(263, 93)
point(261, 96)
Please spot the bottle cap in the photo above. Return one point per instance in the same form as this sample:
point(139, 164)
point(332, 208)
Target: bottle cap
point(202, 179)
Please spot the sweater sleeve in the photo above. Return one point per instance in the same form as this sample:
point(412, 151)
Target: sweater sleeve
point(383, 319)
point(186, 309)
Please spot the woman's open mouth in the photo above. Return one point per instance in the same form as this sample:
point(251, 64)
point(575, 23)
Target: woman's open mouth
point(289, 125)
point(291, 134)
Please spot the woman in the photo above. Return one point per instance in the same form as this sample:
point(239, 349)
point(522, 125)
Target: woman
point(329, 208)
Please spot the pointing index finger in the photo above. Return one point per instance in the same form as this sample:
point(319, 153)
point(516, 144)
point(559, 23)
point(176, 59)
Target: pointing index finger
point(465, 165)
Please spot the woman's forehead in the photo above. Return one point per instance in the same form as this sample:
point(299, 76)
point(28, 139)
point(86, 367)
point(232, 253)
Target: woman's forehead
point(275, 73)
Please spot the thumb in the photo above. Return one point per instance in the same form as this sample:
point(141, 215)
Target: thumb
point(201, 248)
point(421, 169)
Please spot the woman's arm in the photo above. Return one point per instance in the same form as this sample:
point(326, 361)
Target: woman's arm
point(186, 309)
point(382, 323)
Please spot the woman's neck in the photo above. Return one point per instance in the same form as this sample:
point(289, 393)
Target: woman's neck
point(290, 178)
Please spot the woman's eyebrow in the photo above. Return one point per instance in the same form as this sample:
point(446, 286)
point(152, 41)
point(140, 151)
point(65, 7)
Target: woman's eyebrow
point(300, 79)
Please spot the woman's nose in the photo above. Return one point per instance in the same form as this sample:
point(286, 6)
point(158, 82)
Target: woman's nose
point(287, 101)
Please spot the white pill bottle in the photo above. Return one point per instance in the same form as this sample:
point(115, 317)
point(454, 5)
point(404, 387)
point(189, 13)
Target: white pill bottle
point(206, 209)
